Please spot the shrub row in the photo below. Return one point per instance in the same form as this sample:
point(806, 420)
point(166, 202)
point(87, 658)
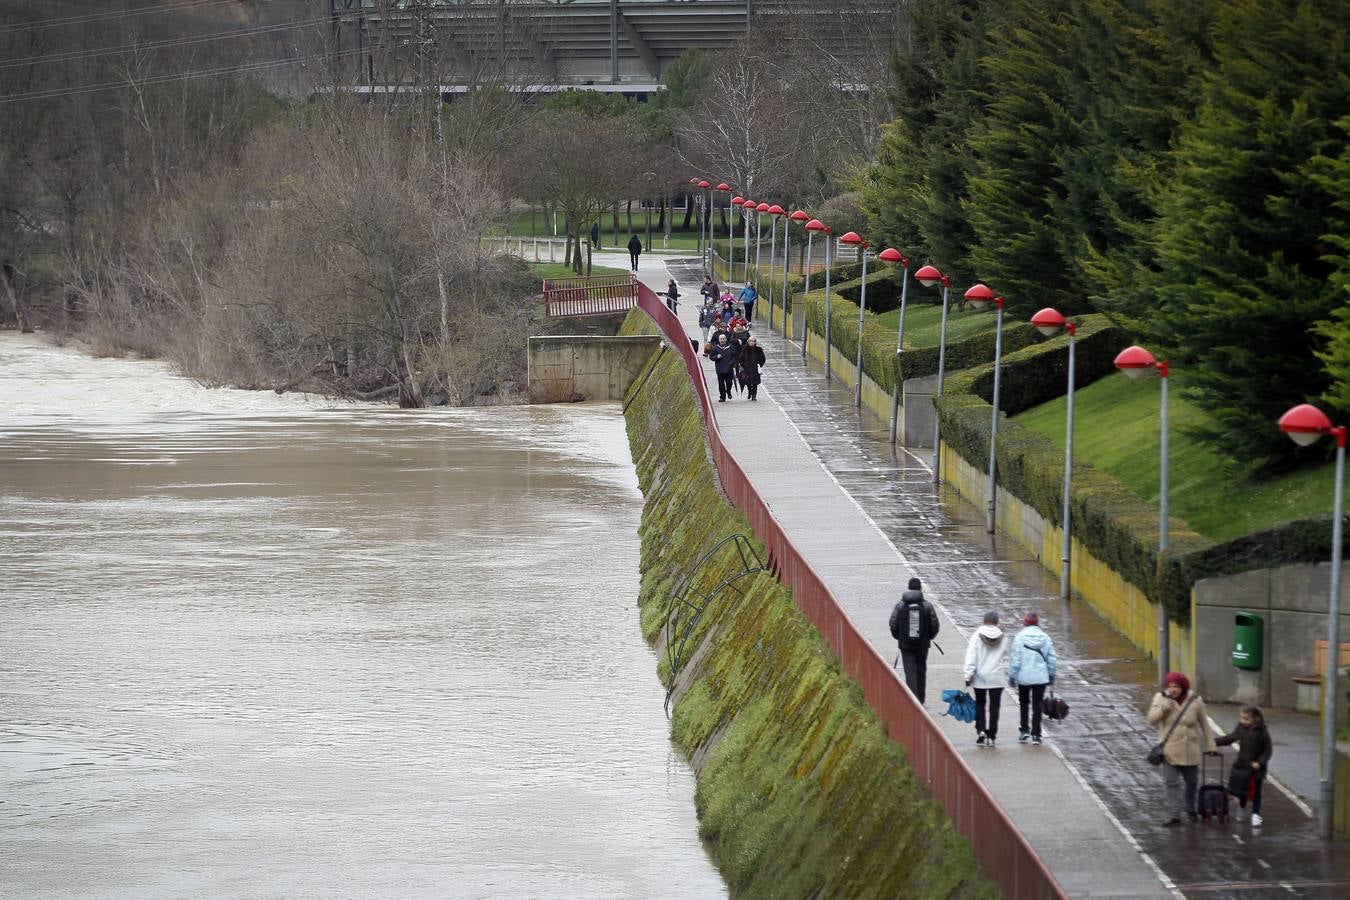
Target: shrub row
point(1110, 520)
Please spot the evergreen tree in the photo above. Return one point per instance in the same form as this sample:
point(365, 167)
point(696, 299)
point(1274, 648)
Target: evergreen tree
point(1242, 278)
point(915, 193)
point(1333, 174)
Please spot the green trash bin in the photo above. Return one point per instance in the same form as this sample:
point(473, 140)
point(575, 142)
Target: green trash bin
point(1247, 628)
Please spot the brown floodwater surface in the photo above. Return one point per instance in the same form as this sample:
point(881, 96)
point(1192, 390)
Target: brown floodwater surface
point(276, 646)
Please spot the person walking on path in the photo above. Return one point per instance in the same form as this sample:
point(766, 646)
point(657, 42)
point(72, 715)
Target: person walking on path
point(748, 297)
point(986, 656)
point(707, 318)
point(634, 250)
point(723, 355)
point(595, 235)
point(751, 361)
point(1031, 666)
point(1253, 760)
point(1183, 729)
point(710, 290)
point(673, 296)
point(914, 624)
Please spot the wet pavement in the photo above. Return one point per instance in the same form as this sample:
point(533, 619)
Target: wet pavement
point(1107, 681)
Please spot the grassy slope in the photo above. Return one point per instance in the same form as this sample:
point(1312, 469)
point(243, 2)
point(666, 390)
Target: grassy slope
point(923, 323)
point(1116, 429)
point(559, 270)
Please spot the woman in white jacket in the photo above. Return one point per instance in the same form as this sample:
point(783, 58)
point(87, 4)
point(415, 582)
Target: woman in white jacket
point(986, 658)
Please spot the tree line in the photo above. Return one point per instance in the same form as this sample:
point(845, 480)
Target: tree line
point(1179, 165)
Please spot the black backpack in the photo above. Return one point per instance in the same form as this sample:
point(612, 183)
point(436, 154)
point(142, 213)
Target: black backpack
point(914, 622)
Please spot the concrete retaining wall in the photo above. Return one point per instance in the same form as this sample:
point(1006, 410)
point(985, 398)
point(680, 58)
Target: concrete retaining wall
point(1292, 602)
point(1121, 603)
point(567, 368)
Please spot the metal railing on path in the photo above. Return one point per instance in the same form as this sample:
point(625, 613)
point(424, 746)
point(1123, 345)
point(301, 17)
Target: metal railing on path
point(589, 296)
point(1004, 855)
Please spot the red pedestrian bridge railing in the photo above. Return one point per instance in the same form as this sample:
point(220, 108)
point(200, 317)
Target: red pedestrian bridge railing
point(589, 296)
point(1002, 851)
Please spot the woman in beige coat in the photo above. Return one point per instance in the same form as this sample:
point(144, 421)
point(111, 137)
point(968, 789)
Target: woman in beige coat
point(1189, 741)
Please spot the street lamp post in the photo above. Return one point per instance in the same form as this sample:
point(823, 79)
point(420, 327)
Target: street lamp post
point(774, 212)
point(853, 239)
point(737, 202)
point(929, 276)
point(797, 216)
point(1049, 321)
point(892, 255)
point(979, 296)
point(1138, 363)
point(712, 241)
point(1305, 424)
point(817, 225)
point(696, 196)
point(705, 201)
point(760, 210)
point(746, 210)
point(647, 179)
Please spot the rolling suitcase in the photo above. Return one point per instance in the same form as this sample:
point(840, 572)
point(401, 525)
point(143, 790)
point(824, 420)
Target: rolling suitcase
point(1213, 796)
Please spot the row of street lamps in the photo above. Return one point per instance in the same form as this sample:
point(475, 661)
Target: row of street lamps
point(1305, 424)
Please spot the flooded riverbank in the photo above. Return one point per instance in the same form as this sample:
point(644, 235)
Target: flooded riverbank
point(261, 645)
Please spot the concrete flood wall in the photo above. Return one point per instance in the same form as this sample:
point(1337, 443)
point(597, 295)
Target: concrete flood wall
point(800, 792)
point(1120, 602)
point(567, 368)
point(1292, 602)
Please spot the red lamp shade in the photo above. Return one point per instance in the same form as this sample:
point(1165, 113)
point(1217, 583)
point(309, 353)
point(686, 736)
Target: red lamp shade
point(776, 210)
point(763, 207)
point(851, 237)
point(704, 184)
point(737, 201)
point(892, 255)
point(1048, 321)
point(749, 206)
point(724, 186)
point(929, 276)
point(693, 180)
point(979, 295)
point(815, 225)
point(1304, 424)
point(799, 216)
point(1136, 362)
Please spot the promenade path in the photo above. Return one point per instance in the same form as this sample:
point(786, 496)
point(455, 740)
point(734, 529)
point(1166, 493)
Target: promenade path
point(868, 518)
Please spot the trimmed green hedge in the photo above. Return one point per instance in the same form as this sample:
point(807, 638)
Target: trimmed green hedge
point(1110, 520)
point(880, 361)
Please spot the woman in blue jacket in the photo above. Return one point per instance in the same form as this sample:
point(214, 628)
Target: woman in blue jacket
point(1031, 666)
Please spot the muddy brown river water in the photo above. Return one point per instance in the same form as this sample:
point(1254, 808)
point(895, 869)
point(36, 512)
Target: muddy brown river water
point(272, 646)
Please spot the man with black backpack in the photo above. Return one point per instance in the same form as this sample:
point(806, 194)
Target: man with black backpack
point(914, 624)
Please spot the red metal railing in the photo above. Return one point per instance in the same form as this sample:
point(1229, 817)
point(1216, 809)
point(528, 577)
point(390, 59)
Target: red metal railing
point(589, 296)
point(1003, 853)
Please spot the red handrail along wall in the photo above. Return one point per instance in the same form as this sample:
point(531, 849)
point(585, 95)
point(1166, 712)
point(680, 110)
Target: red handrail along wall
point(1003, 853)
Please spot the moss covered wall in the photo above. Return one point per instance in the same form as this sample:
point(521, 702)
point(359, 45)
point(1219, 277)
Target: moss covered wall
point(800, 793)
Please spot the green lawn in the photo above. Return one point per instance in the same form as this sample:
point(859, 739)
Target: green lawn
point(527, 225)
point(923, 324)
point(1116, 429)
point(561, 270)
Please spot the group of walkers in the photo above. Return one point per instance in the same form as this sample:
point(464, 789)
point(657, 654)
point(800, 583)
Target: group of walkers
point(727, 341)
point(1026, 662)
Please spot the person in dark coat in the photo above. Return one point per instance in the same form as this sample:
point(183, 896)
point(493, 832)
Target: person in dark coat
point(723, 355)
point(710, 290)
point(634, 250)
point(914, 624)
point(751, 361)
point(1249, 769)
point(673, 296)
point(595, 235)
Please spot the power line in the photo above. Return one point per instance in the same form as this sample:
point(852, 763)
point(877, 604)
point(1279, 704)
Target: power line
point(116, 14)
point(166, 43)
point(51, 93)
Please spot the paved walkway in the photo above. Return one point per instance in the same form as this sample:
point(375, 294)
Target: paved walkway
point(868, 519)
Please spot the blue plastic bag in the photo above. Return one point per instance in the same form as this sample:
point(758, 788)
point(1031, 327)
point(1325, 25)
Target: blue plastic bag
point(960, 705)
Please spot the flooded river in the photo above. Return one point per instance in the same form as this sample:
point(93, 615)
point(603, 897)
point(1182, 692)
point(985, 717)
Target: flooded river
point(267, 646)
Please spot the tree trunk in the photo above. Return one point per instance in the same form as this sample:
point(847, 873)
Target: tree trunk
point(16, 301)
point(630, 216)
point(661, 222)
point(614, 221)
point(688, 210)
